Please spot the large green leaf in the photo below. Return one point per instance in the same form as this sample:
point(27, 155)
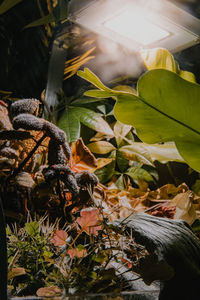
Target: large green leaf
point(8, 4)
point(167, 108)
point(167, 112)
point(70, 124)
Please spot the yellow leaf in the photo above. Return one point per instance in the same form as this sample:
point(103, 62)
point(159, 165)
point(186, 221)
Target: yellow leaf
point(184, 207)
point(101, 147)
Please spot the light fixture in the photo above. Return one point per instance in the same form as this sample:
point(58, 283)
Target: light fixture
point(138, 24)
point(136, 27)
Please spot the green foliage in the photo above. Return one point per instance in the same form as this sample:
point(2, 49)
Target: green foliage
point(29, 258)
point(166, 108)
point(129, 157)
point(77, 112)
point(40, 255)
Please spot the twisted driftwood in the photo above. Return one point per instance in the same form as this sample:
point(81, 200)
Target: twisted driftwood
point(175, 245)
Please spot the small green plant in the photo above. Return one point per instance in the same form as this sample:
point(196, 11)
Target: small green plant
point(81, 257)
point(30, 257)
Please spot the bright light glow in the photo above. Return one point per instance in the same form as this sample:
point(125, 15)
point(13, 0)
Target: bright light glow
point(134, 25)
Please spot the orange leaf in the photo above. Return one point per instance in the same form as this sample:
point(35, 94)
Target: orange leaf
point(59, 238)
point(90, 220)
point(75, 252)
point(49, 291)
point(82, 157)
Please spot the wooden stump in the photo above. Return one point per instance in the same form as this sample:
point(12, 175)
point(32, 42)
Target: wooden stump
point(175, 246)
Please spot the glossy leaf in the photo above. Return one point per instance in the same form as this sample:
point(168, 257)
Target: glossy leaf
point(105, 174)
point(122, 162)
point(148, 153)
point(70, 124)
point(137, 173)
point(163, 152)
point(120, 131)
point(92, 120)
point(101, 147)
point(125, 88)
point(99, 94)
point(137, 152)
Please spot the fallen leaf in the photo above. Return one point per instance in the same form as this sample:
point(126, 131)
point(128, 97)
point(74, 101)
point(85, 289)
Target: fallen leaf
point(49, 291)
point(14, 272)
point(184, 207)
point(24, 179)
point(82, 155)
point(59, 238)
point(75, 252)
point(90, 220)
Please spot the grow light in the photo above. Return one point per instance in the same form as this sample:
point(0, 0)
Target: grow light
point(139, 24)
point(135, 26)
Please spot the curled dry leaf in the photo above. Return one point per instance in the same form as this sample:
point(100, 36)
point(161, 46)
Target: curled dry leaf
point(83, 159)
point(14, 272)
point(184, 207)
point(50, 291)
point(167, 201)
point(25, 179)
point(90, 220)
point(59, 238)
